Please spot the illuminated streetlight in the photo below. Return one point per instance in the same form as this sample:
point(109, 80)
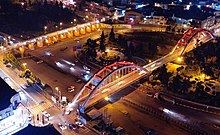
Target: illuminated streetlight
point(61, 23)
point(74, 20)
point(107, 50)
point(179, 59)
point(24, 64)
point(107, 98)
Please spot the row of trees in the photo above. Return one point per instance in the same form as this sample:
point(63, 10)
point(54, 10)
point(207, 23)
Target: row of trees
point(127, 47)
point(207, 59)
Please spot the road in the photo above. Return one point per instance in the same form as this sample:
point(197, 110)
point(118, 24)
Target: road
point(203, 120)
point(134, 75)
point(38, 103)
point(62, 76)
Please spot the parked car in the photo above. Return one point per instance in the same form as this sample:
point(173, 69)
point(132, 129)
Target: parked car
point(79, 124)
point(62, 127)
point(40, 61)
point(72, 126)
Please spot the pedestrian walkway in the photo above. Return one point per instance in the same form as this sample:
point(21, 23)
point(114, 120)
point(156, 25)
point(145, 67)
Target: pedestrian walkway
point(40, 107)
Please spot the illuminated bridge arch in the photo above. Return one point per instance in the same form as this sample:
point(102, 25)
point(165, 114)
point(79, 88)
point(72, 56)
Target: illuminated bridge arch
point(103, 79)
point(193, 33)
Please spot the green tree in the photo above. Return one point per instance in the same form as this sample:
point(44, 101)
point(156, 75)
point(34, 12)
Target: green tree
point(112, 35)
point(102, 42)
point(164, 75)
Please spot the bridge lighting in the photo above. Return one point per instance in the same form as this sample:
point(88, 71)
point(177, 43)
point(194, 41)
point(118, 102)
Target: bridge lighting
point(107, 98)
point(180, 59)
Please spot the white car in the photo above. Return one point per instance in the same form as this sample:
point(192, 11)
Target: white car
point(67, 112)
point(40, 61)
point(62, 127)
point(80, 124)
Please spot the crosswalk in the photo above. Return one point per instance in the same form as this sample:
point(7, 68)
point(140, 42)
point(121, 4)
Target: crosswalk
point(36, 109)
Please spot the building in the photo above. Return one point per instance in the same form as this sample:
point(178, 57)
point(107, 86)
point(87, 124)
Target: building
point(133, 16)
point(13, 115)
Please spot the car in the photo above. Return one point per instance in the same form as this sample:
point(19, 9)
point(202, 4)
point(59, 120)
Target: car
point(40, 61)
point(78, 80)
point(8, 66)
point(49, 54)
point(150, 94)
point(62, 127)
point(87, 71)
point(71, 90)
point(77, 40)
point(86, 68)
point(79, 124)
point(67, 112)
point(72, 126)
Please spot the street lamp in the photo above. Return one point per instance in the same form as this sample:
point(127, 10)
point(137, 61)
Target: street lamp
point(179, 59)
point(61, 25)
point(107, 98)
point(45, 29)
point(24, 64)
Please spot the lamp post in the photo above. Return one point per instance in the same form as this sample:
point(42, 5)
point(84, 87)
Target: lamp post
point(61, 25)
point(45, 29)
point(57, 89)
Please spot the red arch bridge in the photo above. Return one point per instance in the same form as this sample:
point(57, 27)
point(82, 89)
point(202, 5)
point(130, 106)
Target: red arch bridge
point(122, 74)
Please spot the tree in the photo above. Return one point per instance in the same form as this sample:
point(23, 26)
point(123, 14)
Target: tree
point(102, 42)
point(152, 49)
point(164, 75)
point(61, 4)
point(112, 35)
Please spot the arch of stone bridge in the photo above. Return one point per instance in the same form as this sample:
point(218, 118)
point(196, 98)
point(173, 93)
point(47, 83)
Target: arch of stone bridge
point(103, 75)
